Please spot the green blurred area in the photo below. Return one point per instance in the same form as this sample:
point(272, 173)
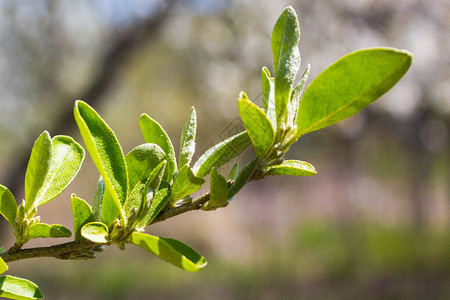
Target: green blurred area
point(374, 222)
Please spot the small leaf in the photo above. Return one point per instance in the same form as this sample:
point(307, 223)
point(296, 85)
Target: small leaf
point(268, 94)
point(296, 97)
point(97, 202)
point(8, 205)
point(221, 153)
point(286, 59)
point(234, 172)
point(185, 183)
point(141, 161)
point(96, 232)
point(3, 266)
point(218, 191)
point(82, 214)
point(293, 168)
point(172, 251)
point(37, 168)
point(243, 177)
point(42, 230)
point(154, 133)
point(67, 157)
point(105, 151)
point(257, 125)
point(187, 144)
point(349, 85)
point(159, 201)
point(18, 288)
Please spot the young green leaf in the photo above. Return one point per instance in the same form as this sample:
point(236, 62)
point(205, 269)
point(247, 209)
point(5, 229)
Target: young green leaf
point(221, 153)
point(293, 168)
point(170, 250)
point(3, 266)
point(42, 230)
point(18, 288)
point(67, 157)
point(185, 183)
point(37, 168)
point(286, 59)
point(234, 172)
point(218, 191)
point(187, 144)
point(142, 160)
point(159, 201)
point(349, 85)
point(243, 177)
point(8, 205)
point(268, 95)
point(97, 202)
point(257, 125)
point(296, 97)
point(154, 133)
point(96, 232)
point(82, 214)
point(105, 151)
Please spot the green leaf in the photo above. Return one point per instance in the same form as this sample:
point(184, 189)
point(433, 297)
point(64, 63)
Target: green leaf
point(96, 232)
point(159, 201)
point(187, 144)
point(154, 133)
point(218, 191)
point(97, 202)
point(349, 85)
point(42, 230)
point(105, 151)
point(243, 177)
point(67, 157)
point(172, 251)
point(286, 59)
point(8, 205)
point(234, 172)
point(221, 153)
point(296, 97)
point(293, 168)
point(141, 161)
point(82, 214)
point(3, 266)
point(257, 125)
point(18, 288)
point(185, 183)
point(37, 168)
point(268, 94)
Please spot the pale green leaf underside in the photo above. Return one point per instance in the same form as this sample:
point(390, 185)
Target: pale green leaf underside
point(67, 157)
point(170, 250)
point(18, 288)
point(82, 214)
point(349, 85)
point(105, 151)
point(243, 177)
point(185, 183)
point(37, 168)
point(3, 266)
point(96, 232)
point(42, 230)
point(187, 144)
point(154, 133)
point(268, 94)
point(296, 97)
point(221, 153)
point(257, 125)
point(218, 191)
point(8, 206)
point(292, 168)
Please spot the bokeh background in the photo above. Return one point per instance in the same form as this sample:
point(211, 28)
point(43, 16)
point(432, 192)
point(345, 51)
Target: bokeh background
point(374, 222)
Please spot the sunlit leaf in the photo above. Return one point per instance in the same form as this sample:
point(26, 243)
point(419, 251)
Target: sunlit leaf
point(218, 191)
point(292, 168)
point(18, 288)
point(349, 85)
point(187, 144)
point(8, 205)
point(37, 168)
point(42, 230)
point(3, 266)
point(170, 250)
point(96, 232)
point(268, 94)
point(296, 97)
point(82, 214)
point(158, 202)
point(243, 177)
point(221, 153)
point(185, 183)
point(97, 202)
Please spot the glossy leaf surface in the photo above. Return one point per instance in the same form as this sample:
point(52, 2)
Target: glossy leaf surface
point(170, 250)
point(8, 205)
point(293, 168)
point(82, 214)
point(42, 230)
point(349, 85)
point(18, 288)
point(187, 144)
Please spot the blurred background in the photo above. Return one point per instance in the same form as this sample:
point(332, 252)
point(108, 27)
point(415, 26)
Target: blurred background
point(374, 222)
